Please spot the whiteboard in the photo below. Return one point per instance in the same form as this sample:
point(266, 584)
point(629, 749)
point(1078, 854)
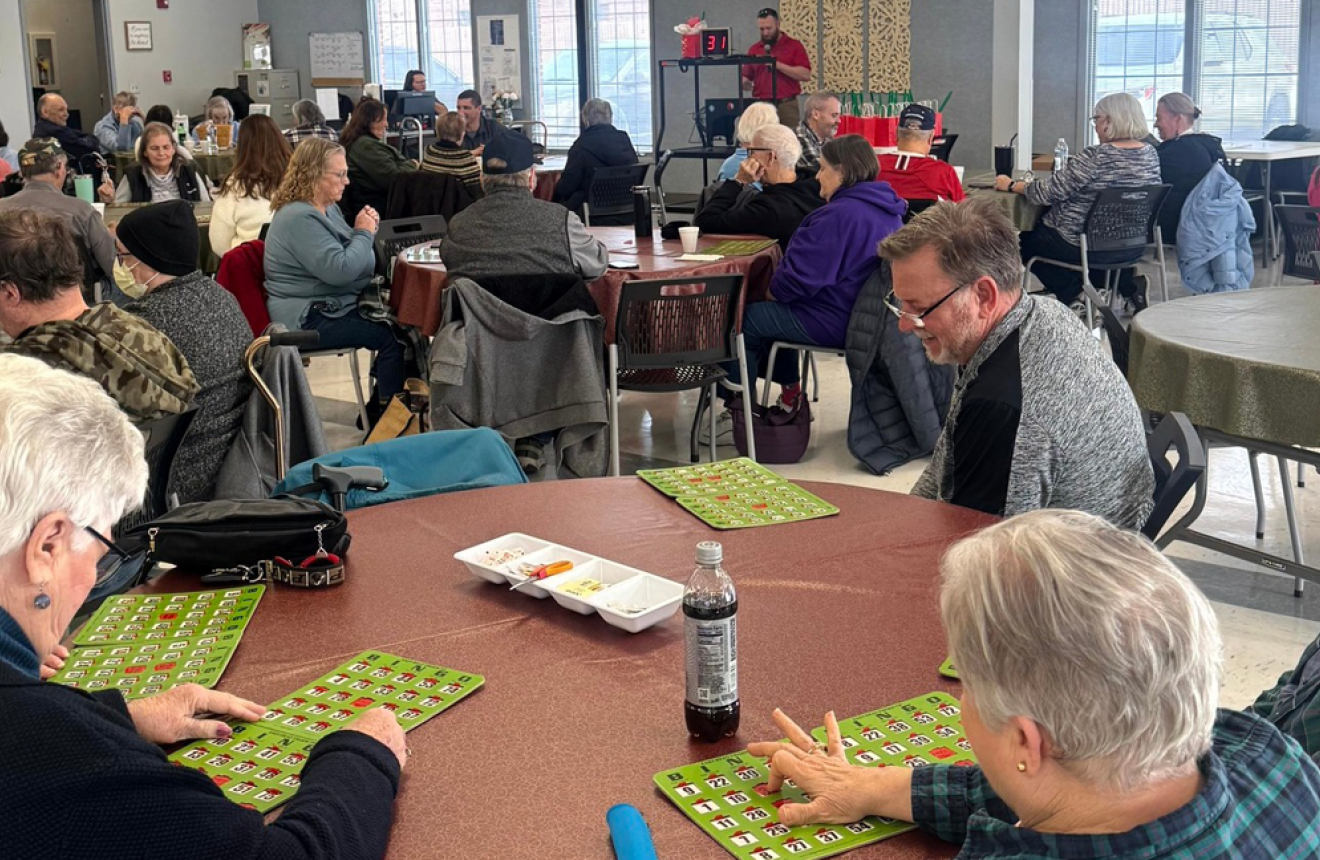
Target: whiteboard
point(337, 59)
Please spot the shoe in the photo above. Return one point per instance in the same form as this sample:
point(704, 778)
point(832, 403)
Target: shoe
point(1139, 300)
point(789, 397)
point(531, 455)
point(723, 428)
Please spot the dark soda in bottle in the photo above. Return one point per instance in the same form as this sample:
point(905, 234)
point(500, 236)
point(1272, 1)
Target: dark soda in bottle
point(710, 628)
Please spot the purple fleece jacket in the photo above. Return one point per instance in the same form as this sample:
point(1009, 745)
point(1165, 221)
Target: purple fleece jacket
point(832, 254)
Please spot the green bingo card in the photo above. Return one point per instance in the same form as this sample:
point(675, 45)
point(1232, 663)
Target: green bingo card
point(948, 670)
point(737, 494)
point(261, 765)
point(142, 644)
point(739, 247)
point(727, 798)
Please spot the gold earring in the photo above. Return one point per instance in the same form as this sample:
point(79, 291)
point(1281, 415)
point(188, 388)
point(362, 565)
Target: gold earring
point(1022, 767)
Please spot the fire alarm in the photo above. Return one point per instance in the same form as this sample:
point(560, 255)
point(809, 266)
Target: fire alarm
point(168, 76)
point(162, 4)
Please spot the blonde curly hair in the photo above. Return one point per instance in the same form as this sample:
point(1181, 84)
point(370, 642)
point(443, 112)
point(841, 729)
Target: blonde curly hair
point(309, 161)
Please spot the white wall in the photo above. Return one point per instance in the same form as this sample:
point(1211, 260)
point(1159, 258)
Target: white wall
point(79, 68)
point(200, 41)
point(15, 94)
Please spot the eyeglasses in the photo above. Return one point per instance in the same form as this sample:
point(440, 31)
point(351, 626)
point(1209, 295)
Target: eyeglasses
point(340, 174)
point(918, 320)
point(1095, 120)
point(112, 561)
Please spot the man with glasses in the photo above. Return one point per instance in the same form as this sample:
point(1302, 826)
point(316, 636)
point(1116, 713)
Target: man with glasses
point(43, 310)
point(792, 68)
point(1040, 417)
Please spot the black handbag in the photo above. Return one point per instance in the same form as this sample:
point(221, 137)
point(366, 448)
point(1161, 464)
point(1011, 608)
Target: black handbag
point(243, 536)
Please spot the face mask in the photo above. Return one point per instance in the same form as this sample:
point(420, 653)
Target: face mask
point(127, 284)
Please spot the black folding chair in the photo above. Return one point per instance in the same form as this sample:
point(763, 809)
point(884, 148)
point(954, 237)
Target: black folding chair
point(916, 207)
point(672, 335)
point(1173, 480)
point(610, 192)
point(1300, 226)
point(943, 146)
point(394, 237)
point(1120, 219)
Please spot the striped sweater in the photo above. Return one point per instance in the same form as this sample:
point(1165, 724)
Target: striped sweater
point(450, 159)
point(1070, 193)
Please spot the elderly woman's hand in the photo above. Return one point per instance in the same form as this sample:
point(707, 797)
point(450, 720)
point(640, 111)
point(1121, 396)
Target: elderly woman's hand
point(367, 219)
point(1003, 183)
point(54, 662)
point(839, 792)
point(177, 714)
point(750, 171)
point(382, 725)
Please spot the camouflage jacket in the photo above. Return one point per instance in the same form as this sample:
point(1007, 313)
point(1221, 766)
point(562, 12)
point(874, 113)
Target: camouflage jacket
point(137, 365)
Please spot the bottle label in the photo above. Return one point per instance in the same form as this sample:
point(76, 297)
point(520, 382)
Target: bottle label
point(712, 661)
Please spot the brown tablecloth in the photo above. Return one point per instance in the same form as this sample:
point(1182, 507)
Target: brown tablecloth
point(576, 715)
point(1244, 363)
point(417, 287)
point(207, 259)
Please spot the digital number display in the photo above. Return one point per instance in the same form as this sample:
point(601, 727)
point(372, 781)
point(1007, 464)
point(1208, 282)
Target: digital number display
point(715, 43)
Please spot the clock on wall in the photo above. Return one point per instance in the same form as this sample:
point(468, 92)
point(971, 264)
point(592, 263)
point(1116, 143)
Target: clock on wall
point(715, 42)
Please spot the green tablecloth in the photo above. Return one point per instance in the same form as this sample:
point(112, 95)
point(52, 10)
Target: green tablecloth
point(1243, 363)
point(1022, 212)
point(216, 167)
point(208, 261)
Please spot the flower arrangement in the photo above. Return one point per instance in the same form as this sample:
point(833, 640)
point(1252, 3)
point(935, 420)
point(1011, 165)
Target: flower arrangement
point(502, 103)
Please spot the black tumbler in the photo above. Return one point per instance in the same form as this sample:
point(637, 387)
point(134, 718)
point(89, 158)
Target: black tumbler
point(642, 211)
point(1004, 160)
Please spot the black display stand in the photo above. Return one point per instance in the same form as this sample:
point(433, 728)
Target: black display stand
point(704, 153)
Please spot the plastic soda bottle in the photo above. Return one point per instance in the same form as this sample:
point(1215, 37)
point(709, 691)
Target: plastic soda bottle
point(710, 630)
point(1060, 155)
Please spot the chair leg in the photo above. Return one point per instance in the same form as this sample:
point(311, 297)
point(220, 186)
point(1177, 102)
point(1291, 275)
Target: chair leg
point(694, 443)
point(1260, 494)
point(714, 421)
point(815, 378)
point(1301, 476)
point(357, 390)
point(769, 375)
point(586, 215)
point(1164, 271)
point(614, 410)
point(746, 400)
point(1293, 533)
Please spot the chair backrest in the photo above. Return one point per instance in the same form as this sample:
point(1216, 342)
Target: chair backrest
point(610, 192)
point(163, 438)
point(943, 146)
point(1301, 241)
point(916, 207)
point(1123, 219)
point(1172, 480)
point(243, 273)
point(671, 323)
point(265, 228)
point(393, 237)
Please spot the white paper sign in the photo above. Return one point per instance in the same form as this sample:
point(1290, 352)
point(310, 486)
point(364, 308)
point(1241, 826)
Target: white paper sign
point(499, 54)
point(328, 101)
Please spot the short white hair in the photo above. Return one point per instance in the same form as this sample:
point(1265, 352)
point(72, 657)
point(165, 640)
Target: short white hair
point(1067, 620)
point(756, 117)
point(781, 140)
point(597, 112)
point(215, 103)
point(64, 446)
point(1127, 121)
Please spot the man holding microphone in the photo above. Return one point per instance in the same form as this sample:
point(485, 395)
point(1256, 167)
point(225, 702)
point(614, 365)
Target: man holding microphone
point(793, 67)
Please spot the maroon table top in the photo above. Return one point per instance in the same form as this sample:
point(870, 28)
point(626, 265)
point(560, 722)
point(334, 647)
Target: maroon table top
point(416, 289)
point(577, 715)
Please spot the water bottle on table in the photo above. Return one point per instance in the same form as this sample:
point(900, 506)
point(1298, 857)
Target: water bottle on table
point(1060, 155)
point(710, 632)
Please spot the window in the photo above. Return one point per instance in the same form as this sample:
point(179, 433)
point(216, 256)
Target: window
point(557, 100)
point(446, 28)
point(1236, 58)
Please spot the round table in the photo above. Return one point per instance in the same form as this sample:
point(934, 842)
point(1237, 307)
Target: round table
point(207, 258)
point(1243, 363)
point(1022, 212)
point(575, 715)
point(548, 173)
point(415, 294)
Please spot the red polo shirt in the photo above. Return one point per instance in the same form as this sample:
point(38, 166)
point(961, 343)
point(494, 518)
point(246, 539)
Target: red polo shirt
point(788, 51)
point(914, 177)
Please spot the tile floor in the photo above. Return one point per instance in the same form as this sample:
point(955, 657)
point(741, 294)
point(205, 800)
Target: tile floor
point(1264, 626)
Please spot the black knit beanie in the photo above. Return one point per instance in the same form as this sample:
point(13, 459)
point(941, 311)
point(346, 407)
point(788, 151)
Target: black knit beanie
point(163, 235)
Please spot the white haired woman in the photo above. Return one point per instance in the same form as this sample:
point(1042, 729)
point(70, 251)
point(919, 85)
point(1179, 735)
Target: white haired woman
point(756, 117)
point(600, 145)
point(1090, 668)
point(84, 773)
point(1120, 160)
point(218, 111)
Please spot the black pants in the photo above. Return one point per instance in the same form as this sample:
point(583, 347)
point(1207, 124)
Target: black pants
point(1065, 284)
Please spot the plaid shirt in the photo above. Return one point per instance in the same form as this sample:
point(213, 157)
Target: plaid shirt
point(1294, 704)
point(811, 145)
point(1260, 801)
point(303, 132)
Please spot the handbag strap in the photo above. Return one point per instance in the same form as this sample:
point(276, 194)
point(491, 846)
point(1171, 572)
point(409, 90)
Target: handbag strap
point(322, 574)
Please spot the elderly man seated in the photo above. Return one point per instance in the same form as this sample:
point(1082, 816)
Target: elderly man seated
point(53, 121)
point(509, 233)
point(912, 171)
point(785, 199)
point(819, 125)
point(85, 772)
point(43, 310)
point(119, 130)
point(1040, 417)
point(44, 166)
point(1090, 668)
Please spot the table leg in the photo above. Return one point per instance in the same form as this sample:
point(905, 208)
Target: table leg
point(1267, 256)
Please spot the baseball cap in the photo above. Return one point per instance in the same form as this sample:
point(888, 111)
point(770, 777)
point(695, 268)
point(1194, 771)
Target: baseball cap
point(507, 153)
point(38, 147)
point(917, 116)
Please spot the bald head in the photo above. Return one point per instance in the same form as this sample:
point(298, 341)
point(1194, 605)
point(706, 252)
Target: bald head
point(53, 108)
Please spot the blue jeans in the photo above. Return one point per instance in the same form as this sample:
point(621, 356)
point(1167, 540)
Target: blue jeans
point(763, 324)
point(352, 330)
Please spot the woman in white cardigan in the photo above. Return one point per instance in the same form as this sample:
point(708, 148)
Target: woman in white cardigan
point(243, 202)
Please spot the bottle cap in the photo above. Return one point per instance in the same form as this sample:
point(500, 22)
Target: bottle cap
point(709, 552)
